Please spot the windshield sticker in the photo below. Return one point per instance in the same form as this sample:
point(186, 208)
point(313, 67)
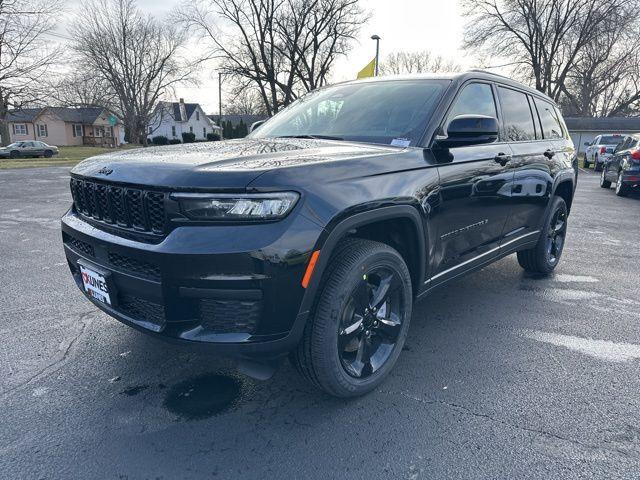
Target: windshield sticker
point(400, 142)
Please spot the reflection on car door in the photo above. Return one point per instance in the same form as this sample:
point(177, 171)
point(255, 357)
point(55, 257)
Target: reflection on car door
point(474, 191)
point(532, 162)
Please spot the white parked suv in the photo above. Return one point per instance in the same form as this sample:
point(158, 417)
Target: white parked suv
point(601, 149)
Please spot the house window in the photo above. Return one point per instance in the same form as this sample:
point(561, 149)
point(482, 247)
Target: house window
point(197, 116)
point(77, 130)
point(150, 130)
point(204, 132)
point(42, 130)
point(20, 128)
point(191, 129)
point(173, 130)
point(108, 132)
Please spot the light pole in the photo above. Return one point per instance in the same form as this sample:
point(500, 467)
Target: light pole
point(377, 39)
point(220, 102)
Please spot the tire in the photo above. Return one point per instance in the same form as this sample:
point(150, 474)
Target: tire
point(48, 154)
point(329, 352)
point(596, 166)
point(14, 154)
point(621, 189)
point(586, 162)
point(544, 257)
point(604, 183)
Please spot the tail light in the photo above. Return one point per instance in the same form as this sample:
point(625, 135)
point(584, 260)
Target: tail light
point(603, 150)
point(635, 155)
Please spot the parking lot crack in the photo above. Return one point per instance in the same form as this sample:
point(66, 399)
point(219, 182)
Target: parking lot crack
point(57, 363)
point(467, 411)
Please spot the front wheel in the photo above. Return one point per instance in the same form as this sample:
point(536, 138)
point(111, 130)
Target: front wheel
point(360, 322)
point(48, 154)
point(545, 256)
point(621, 188)
point(604, 183)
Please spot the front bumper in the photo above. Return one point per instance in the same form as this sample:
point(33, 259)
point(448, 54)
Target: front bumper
point(234, 288)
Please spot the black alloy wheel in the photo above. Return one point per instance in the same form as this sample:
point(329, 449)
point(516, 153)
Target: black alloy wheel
point(544, 257)
point(556, 235)
point(371, 322)
point(357, 329)
point(14, 154)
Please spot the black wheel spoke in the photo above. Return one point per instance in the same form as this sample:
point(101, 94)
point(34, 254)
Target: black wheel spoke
point(389, 327)
point(361, 297)
point(380, 292)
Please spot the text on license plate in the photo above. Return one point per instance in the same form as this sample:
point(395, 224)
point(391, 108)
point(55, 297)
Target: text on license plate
point(95, 285)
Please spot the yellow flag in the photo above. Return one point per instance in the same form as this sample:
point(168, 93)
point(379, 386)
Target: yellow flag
point(369, 70)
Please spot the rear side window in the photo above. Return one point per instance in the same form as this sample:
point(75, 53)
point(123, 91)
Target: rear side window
point(516, 113)
point(551, 126)
point(474, 99)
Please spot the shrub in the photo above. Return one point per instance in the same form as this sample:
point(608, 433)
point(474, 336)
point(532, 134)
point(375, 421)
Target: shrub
point(188, 137)
point(160, 140)
point(174, 141)
point(213, 137)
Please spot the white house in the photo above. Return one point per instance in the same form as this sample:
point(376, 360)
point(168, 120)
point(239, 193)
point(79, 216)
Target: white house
point(172, 119)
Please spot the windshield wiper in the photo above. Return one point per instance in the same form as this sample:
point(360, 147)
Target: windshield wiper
point(314, 137)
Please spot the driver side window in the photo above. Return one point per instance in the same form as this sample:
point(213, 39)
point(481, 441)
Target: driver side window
point(475, 99)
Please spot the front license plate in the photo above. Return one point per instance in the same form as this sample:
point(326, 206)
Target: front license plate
point(95, 285)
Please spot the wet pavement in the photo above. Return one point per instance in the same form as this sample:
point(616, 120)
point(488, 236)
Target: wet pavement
point(504, 375)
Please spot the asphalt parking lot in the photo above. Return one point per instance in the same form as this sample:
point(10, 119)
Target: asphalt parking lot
point(503, 376)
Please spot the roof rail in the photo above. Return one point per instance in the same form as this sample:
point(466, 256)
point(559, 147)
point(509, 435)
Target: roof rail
point(480, 70)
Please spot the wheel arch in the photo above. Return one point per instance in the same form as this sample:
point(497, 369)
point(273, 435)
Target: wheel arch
point(565, 187)
point(364, 225)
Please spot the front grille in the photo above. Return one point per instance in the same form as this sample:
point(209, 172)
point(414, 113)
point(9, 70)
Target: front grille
point(79, 246)
point(230, 316)
point(140, 309)
point(121, 207)
point(140, 267)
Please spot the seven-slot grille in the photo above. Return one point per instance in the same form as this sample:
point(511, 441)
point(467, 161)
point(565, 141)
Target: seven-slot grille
point(124, 207)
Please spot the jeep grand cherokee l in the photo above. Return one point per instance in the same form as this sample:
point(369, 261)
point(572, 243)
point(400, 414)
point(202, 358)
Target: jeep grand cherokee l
point(314, 235)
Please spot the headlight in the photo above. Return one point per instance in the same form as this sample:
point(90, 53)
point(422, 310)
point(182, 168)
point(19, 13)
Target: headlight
point(234, 207)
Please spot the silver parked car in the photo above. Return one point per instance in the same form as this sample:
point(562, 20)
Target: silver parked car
point(601, 149)
point(28, 148)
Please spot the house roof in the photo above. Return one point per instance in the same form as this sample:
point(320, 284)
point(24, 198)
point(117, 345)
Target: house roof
point(66, 114)
point(605, 124)
point(23, 115)
point(189, 108)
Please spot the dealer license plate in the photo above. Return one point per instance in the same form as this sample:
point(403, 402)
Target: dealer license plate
point(95, 285)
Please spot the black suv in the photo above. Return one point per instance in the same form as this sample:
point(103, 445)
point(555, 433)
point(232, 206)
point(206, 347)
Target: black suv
point(623, 167)
point(314, 235)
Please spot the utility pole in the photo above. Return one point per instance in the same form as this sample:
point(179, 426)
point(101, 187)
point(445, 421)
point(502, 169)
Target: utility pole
point(220, 103)
point(377, 39)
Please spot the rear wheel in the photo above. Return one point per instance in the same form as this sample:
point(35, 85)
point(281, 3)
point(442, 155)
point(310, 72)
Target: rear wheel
point(14, 154)
point(545, 256)
point(621, 188)
point(604, 183)
point(596, 166)
point(360, 321)
point(48, 154)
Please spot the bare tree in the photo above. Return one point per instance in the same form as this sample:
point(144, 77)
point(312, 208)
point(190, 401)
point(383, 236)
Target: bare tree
point(423, 61)
point(605, 80)
point(25, 54)
point(140, 57)
point(246, 101)
point(541, 38)
point(83, 89)
point(280, 47)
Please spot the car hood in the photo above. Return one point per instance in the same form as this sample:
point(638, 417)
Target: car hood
point(231, 164)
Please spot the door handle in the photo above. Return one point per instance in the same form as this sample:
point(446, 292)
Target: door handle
point(549, 154)
point(502, 159)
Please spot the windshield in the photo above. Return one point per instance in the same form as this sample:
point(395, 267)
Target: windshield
point(14, 145)
point(391, 112)
point(611, 139)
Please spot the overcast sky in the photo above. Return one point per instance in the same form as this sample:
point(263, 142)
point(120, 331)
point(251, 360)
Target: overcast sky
point(435, 25)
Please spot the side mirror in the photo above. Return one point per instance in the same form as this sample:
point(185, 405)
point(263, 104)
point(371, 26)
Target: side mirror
point(587, 144)
point(256, 125)
point(467, 130)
